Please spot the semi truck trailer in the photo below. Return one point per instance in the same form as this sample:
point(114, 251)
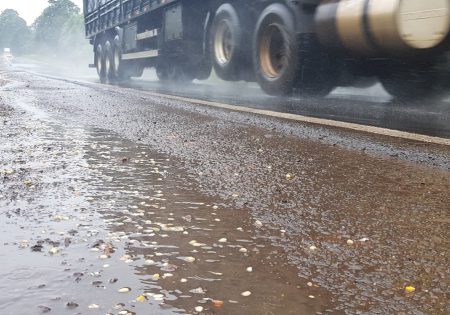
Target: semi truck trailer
point(306, 46)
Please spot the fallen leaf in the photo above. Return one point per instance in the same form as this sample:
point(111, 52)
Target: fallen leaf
point(410, 289)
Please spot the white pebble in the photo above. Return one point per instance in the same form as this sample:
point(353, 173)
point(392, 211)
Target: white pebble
point(243, 250)
point(223, 240)
point(246, 293)
point(258, 224)
point(199, 309)
point(312, 247)
point(124, 290)
point(349, 242)
point(54, 250)
point(249, 269)
point(187, 259)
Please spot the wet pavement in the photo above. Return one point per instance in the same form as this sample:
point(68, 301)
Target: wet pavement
point(189, 209)
point(368, 104)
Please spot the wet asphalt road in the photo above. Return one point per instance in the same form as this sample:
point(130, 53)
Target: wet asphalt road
point(331, 221)
point(368, 105)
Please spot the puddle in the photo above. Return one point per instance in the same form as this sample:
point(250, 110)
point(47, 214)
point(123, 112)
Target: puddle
point(95, 224)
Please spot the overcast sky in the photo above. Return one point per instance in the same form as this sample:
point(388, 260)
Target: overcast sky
point(29, 10)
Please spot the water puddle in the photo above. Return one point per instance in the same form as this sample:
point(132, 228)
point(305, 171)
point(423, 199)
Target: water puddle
point(95, 224)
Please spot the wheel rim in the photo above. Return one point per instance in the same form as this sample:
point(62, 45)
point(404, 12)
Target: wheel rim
point(273, 51)
point(108, 65)
point(223, 43)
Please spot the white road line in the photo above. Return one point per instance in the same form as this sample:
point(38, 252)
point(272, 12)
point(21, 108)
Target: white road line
point(312, 120)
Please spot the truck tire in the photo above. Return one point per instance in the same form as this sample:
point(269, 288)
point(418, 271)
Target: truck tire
point(119, 64)
point(175, 72)
point(411, 82)
point(225, 43)
point(100, 62)
point(162, 73)
point(276, 51)
point(203, 71)
point(110, 67)
point(318, 72)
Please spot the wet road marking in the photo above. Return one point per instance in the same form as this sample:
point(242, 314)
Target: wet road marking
point(312, 120)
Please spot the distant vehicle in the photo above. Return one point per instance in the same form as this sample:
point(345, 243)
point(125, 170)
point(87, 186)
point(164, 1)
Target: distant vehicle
point(7, 55)
point(308, 45)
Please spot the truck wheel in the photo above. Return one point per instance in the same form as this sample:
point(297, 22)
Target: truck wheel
point(225, 43)
point(408, 82)
point(203, 71)
point(110, 67)
point(276, 51)
point(100, 62)
point(118, 63)
point(162, 73)
point(319, 73)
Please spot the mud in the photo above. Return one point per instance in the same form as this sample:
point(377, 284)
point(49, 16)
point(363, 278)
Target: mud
point(360, 217)
point(86, 214)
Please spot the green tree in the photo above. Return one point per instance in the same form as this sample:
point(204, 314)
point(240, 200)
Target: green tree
point(72, 38)
point(49, 25)
point(14, 32)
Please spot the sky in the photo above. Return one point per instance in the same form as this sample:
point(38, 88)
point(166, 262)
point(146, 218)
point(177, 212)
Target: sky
point(29, 10)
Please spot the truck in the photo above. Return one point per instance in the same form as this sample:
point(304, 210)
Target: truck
point(303, 46)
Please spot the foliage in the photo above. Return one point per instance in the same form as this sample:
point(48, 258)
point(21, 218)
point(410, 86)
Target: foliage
point(50, 24)
point(14, 32)
point(73, 36)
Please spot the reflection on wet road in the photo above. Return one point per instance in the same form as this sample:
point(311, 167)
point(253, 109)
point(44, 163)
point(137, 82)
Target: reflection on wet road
point(369, 105)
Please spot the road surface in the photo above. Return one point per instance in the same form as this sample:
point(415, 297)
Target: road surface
point(141, 200)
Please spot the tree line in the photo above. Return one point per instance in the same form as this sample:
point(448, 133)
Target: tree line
point(59, 28)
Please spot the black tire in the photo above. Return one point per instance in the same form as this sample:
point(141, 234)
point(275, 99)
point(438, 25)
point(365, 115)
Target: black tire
point(100, 61)
point(319, 73)
point(276, 51)
point(175, 72)
point(162, 73)
point(203, 71)
point(119, 65)
point(409, 82)
point(226, 43)
point(109, 62)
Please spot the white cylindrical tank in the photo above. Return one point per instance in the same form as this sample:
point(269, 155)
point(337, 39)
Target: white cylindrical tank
point(375, 27)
